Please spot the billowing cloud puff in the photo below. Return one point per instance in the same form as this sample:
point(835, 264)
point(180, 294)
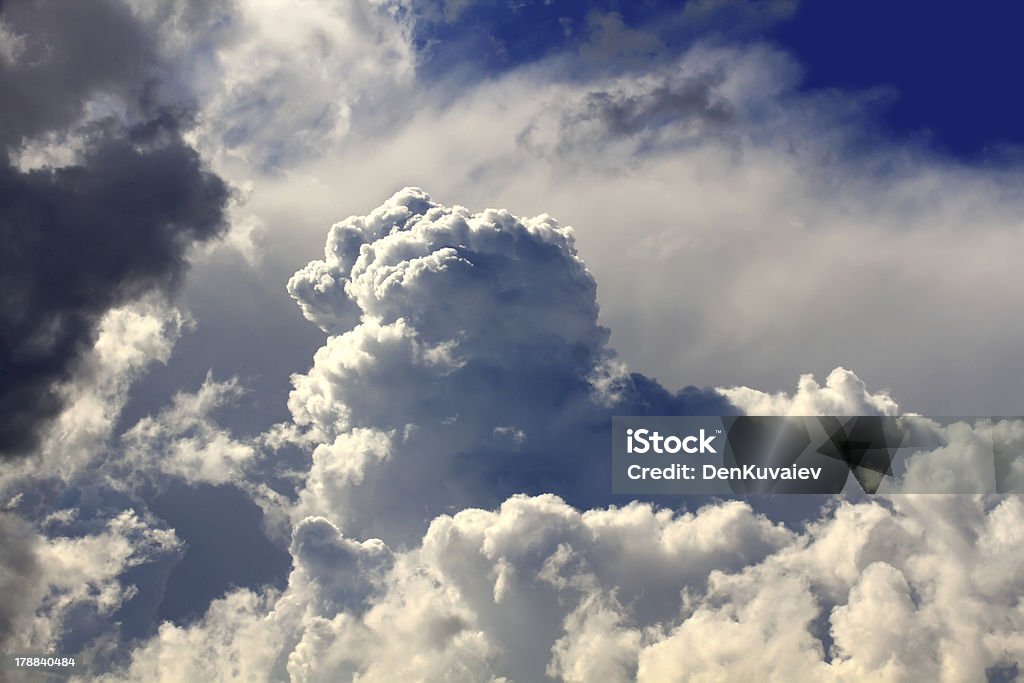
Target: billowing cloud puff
point(536, 588)
point(915, 595)
point(964, 455)
point(843, 394)
point(464, 364)
point(942, 455)
point(414, 246)
point(482, 598)
point(342, 573)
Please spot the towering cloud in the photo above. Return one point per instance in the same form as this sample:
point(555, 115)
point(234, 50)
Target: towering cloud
point(100, 197)
point(464, 364)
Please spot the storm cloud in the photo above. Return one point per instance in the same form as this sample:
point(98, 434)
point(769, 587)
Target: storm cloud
point(113, 223)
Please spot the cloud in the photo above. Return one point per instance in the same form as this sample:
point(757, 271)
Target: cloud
point(843, 394)
point(474, 602)
point(277, 82)
point(963, 455)
point(404, 392)
point(81, 554)
point(537, 588)
point(70, 504)
point(343, 573)
point(183, 441)
point(919, 578)
point(673, 107)
point(69, 581)
point(130, 339)
point(19, 572)
point(55, 62)
point(82, 240)
point(602, 35)
point(234, 630)
point(467, 361)
point(765, 215)
point(449, 331)
point(938, 455)
point(110, 225)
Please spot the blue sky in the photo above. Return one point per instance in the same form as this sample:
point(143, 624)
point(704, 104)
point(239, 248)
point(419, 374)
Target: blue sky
point(951, 68)
point(945, 75)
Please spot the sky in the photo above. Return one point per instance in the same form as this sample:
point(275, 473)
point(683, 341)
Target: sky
point(314, 316)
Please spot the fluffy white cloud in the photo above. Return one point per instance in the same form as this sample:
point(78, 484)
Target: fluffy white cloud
point(966, 455)
point(465, 363)
point(184, 441)
point(483, 597)
point(843, 394)
point(918, 601)
point(940, 455)
point(236, 641)
point(738, 237)
point(277, 81)
point(886, 591)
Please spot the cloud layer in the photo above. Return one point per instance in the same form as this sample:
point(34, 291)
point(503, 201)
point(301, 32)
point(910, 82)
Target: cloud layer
point(529, 586)
point(449, 405)
point(440, 481)
point(536, 588)
point(709, 173)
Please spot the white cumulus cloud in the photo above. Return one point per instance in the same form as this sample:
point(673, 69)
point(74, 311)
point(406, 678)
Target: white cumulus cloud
point(534, 588)
point(464, 350)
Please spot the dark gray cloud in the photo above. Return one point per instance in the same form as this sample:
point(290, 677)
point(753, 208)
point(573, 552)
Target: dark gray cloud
point(61, 53)
point(623, 114)
point(81, 239)
point(78, 241)
point(671, 111)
